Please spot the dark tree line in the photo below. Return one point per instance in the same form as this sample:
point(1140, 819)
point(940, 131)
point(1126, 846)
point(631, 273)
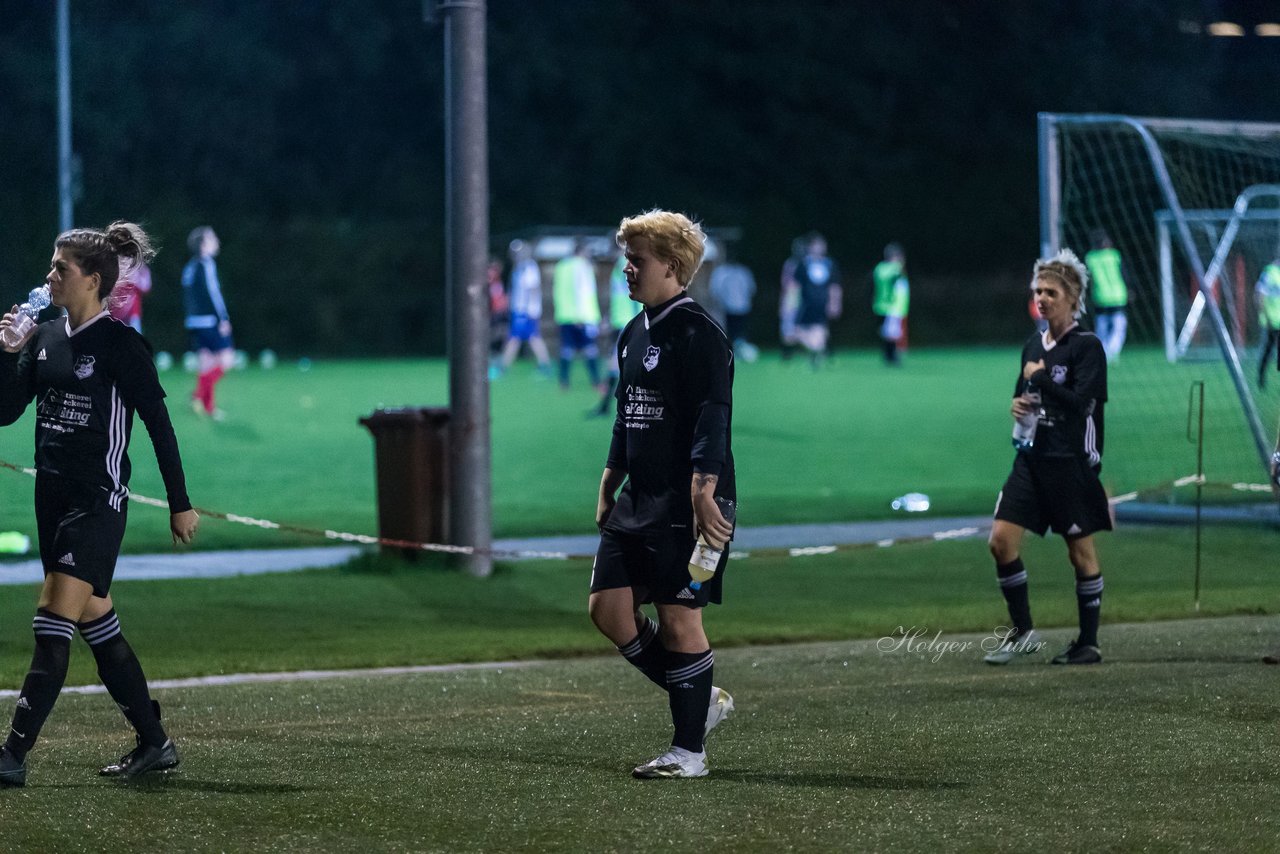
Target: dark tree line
point(310, 134)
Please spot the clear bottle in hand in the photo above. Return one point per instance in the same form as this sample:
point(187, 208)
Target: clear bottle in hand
point(706, 557)
point(37, 301)
point(1024, 426)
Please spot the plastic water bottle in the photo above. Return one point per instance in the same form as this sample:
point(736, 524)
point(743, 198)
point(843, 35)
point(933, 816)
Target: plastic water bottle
point(1024, 428)
point(706, 557)
point(37, 301)
point(912, 502)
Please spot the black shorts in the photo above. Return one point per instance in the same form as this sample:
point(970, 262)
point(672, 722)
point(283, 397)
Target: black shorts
point(1062, 493)
point(655, 563)
point(208, 339)
point(80, 533)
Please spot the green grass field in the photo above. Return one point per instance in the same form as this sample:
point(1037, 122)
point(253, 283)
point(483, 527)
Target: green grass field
point(384, 612)
point(834, 747)
point(837, 745)
point(837, 445)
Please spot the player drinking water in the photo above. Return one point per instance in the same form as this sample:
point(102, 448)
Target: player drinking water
point(88, 373)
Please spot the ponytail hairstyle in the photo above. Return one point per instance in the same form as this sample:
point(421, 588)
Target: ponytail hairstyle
point(1066, 268)
point(113, 253)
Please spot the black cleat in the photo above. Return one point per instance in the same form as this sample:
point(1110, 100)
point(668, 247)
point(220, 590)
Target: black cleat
point(12, 772)
point(144, 758)
point(1079, 653)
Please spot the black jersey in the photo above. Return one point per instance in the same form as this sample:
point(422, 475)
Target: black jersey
point(87, 384)
point(1073, 391)
point(816, 277)
point(675, 407)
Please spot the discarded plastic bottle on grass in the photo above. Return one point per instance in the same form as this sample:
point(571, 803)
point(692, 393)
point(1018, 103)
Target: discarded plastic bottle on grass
point(706, 557)
point(37, 301)
point(912, 502)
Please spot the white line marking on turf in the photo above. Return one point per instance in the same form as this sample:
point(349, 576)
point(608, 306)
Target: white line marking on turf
point(306, 676)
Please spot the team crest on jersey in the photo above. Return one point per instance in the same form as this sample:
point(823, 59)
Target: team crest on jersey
point(84, 367)
point(651, 358)
point(1059, 374)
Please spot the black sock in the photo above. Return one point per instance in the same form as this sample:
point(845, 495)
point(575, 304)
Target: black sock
point(689, 693)
point(1089, 603)
point(120, 672)
point(564, 371)
point(648, 654)
point(1013, 584)
point(44, 680)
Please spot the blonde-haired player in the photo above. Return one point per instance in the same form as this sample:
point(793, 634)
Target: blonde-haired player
point(1058, 402)
point(672, 446)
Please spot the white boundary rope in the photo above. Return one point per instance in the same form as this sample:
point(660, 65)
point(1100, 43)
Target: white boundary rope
point(807, 551)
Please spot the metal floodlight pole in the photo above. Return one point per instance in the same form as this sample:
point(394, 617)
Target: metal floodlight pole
point(1050, 185)
point(65, 214)
point(1197, 386)
point(466, 257)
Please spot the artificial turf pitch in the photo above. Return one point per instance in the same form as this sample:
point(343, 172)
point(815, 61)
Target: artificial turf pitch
point(834, 445)
point(1169, 745)
point(837, 746)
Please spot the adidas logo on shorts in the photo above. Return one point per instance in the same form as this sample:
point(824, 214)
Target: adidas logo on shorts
point(43, 357)
point(67, 560)
point(685, 594)
point(23, 704)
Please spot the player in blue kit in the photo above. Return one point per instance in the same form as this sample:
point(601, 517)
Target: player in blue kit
point(88, 374)
point(672, 457)
point(1058, 403)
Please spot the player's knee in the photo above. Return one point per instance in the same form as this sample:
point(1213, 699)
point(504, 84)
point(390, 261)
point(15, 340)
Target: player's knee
point(613, 621)
point(682, 632)
point(1002, 550)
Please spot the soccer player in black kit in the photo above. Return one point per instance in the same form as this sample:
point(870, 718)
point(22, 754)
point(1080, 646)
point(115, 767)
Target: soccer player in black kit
point(1058, 401)
point(88, 374)
point(672, 447)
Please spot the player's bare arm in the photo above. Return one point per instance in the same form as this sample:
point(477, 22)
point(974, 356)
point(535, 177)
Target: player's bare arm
point(610, 482)
point(1022, 405)
point(707, 516)
point(183, 526)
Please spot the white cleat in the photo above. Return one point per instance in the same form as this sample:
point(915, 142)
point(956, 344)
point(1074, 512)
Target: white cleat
point(1015, 646)
point(676, 762)
point(721, 706)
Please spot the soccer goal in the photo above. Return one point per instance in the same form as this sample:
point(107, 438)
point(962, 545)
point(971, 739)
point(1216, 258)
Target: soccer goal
point(1193, 208)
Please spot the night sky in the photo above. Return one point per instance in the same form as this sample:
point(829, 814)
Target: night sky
point(311, 135)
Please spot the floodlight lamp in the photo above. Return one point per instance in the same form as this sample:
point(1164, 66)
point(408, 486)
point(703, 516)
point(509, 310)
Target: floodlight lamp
point(1226, 28)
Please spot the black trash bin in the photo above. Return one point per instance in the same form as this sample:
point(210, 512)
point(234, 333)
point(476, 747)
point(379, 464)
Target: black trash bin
point(411, 450)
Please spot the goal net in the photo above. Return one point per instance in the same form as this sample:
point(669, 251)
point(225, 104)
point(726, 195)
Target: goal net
point(1193, 210)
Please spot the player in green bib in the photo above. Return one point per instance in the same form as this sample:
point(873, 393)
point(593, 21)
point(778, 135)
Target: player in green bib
point(891, 300)
point(1110, 293)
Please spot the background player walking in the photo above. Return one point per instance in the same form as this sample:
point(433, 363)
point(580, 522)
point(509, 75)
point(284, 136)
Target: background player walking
point(208, 325)
point(672, 446)
point(1058, 410)
point(89, 374)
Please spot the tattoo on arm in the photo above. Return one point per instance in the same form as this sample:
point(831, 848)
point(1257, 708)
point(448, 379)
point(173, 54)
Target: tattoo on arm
point(701, 480)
